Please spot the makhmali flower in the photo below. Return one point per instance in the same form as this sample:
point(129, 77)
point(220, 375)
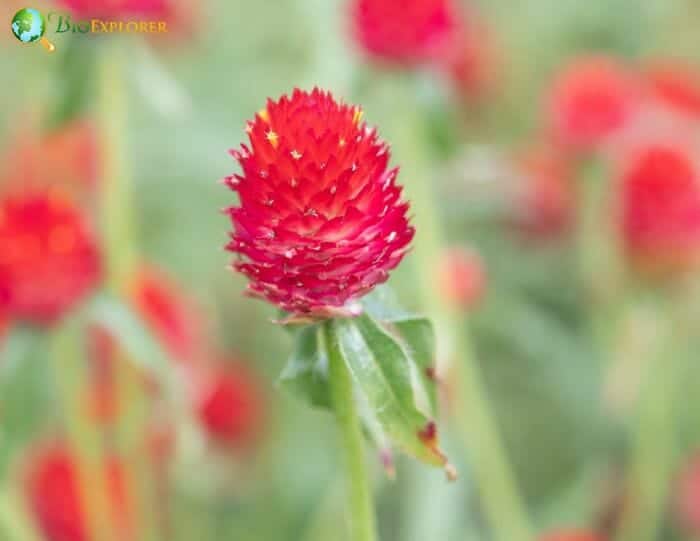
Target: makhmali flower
point(408, 32)
point(321, 220)
point(660, 199)
point(230, 406)
point(49, 259)
point(592, 99)
point(676, 86)
point(53, 494)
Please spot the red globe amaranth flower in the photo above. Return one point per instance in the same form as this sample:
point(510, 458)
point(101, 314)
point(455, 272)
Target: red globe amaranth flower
point(115, 9)
point(688, 497)
point(572, 535)
point(592, 99)
point(544, 194)
point(71, 154)
point(183, 18)
point(473, 62)
point(230, 406)
point(408, 32)
point(321, 221)
point(462, 278)
point(660, 200)
point(677, 86)
point(52, 491)
point(68, 158)
point(48, 257)
point(170, 315)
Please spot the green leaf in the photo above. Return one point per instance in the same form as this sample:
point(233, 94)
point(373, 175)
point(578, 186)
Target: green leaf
point(23, 389)
point(382, 371)
point(417, 338)
point(141, 348)
point(306, 372)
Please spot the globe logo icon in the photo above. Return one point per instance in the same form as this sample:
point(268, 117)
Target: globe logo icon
point(28, 26)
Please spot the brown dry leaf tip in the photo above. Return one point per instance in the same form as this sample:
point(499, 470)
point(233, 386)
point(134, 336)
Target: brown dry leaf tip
point(451, 472)
point(387, 458)
point(431, 374)
point(429, 437)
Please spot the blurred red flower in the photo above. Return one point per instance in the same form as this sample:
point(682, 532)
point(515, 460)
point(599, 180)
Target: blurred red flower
point(545, 197)
point(230, 406)
point(572, 535)
point(462, 278)
point(408, 32)
point(321, 221)
point(115, 9)
point(676, 86)
point(688, 496)
point(473, 63)
point(49, 259)
point(67, 157)
point(590, 100)
point(53, 494)
point(660, 199)
point(169, 314)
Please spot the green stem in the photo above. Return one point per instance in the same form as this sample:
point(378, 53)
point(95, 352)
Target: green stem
point(116, 206)
point(14, 517)
point(71, 375)
point(499, 492)
point(500, 498)
point(654, 446)
point(360, 507)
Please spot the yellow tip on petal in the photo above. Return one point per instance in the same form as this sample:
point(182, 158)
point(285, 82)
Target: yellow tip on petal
point(341, 143)
point(273, 138)
point(262, 113)
point(296, 154)
point(357, 117)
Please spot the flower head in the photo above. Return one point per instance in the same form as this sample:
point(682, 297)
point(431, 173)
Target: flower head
point(408, 32)
point(545, 192)
point(230, 406)
point(320, 221)
point(676, 86)
point(52, 492)
point(688, 496)
point(660, 200)
point(170, 315)
point(473, 63)
point(591, 100)
point(462, 277)
point(49, 258)
point(67, 157)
